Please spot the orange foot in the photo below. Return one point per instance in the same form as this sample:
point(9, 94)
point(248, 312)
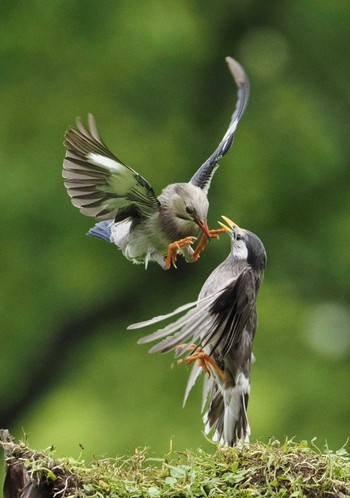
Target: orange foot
point(214, 234)
point(205, 361)
point(174, 248)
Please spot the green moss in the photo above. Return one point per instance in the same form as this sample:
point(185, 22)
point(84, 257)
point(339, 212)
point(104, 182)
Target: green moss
point(275, 469)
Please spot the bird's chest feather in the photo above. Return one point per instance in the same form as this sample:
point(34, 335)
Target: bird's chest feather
point(146, 238)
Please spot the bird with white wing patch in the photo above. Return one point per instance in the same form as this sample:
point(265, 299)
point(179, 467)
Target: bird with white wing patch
point(144, 226)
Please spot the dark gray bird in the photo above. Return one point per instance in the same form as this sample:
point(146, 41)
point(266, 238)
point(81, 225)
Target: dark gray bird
point(145, 227)
point(220, 327)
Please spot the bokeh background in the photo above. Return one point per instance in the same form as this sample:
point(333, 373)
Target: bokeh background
point(154, 75)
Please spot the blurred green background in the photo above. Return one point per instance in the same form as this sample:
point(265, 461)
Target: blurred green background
point(154, 75)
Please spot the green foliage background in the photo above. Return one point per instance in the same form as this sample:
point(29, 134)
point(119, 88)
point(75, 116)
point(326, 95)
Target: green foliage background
point(154, 75)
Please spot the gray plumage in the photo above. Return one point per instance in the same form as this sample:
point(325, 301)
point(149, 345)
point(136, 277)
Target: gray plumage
point(141, 224)
point(223, 323)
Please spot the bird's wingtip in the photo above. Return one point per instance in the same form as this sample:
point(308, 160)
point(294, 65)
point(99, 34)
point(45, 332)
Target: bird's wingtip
point(236, 70)
point(133, 326)
point(91, 120)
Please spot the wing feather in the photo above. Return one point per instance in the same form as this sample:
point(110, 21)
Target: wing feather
point(195, 373)
point(219, 318)
point(190, 319)
point(205, 173)
point(92, 171)
point(216, 320)
point(232, 310)
point(161, 318)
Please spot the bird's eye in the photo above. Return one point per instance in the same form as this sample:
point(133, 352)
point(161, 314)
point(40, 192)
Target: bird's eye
point(189, 210)
point(239, 236)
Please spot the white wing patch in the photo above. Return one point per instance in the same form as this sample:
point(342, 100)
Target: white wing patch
point(106, 162)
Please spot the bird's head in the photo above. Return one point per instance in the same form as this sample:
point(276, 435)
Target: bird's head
point(245, 245)
point(188, 206)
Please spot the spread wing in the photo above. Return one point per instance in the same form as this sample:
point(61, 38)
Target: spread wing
point(186, 327)
point(204, 174)
point(99, 184)
point(217, 319)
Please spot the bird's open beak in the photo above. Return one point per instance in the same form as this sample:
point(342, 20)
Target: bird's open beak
point(230, 223)
point(203, 225)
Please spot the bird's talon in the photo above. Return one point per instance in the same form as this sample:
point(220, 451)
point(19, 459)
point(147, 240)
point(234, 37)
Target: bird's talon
point(214, 234)
point(175, 247)
point(205, 361)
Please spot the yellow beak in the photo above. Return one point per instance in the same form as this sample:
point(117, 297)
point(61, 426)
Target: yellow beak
point(230, 223)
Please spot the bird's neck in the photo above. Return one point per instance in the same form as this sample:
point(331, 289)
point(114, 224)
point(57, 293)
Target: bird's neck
point(176, 228)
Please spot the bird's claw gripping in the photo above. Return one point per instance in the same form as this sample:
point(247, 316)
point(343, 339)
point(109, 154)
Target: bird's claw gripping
point(205, 361)
point(214, 234)
point(174, 248)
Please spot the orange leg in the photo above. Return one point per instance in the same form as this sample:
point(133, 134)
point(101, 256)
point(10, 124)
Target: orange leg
point(214, 234)
point(205, 361)
point(174, 248)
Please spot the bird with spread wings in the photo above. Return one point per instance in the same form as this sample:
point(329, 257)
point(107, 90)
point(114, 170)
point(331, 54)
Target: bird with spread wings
point(216, 333)
point(146, 227)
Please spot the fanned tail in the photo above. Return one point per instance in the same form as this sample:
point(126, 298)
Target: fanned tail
point(227, 413)
point(101, 230)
